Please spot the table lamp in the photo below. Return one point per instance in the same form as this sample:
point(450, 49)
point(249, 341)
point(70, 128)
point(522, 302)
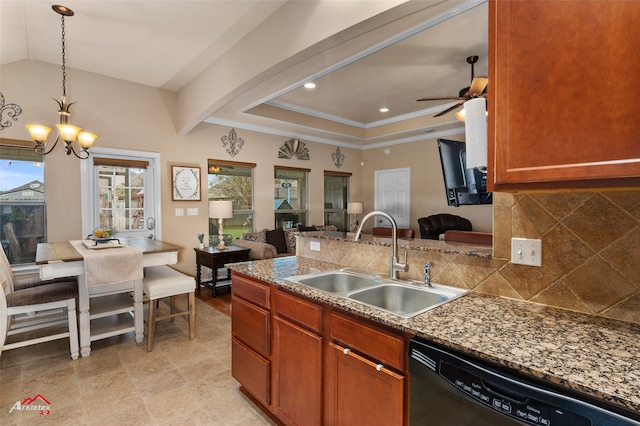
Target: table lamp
point(220, 210)
point(355, 208)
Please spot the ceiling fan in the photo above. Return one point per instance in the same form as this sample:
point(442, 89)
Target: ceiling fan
point(476, 90)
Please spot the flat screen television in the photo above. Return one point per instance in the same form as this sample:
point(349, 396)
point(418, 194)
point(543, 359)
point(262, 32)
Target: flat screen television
point(463, 186)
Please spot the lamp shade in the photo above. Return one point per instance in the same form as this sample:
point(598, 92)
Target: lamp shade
point(354, 207)
point(476, 132)
point(220, 209)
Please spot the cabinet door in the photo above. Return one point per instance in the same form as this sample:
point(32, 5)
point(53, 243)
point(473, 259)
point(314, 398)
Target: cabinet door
point(297, 374)
point(251, 370)
point(359, 392)
point(562, 86)
point(250, 324)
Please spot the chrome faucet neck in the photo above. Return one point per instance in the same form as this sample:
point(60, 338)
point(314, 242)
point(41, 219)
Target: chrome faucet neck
point(394, 265)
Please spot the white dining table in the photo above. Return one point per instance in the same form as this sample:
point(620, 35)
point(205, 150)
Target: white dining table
point(61, 259)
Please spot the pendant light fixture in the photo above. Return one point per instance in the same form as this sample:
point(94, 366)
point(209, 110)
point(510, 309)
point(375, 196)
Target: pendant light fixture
point(66, 131)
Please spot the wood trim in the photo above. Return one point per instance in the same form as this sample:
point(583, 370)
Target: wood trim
point(336, 173)
point(119, 162)
point(223, 163)
point(299, 169)
point(17, 143)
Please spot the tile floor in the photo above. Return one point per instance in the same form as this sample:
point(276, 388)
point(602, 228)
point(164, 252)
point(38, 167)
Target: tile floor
point(180, 382)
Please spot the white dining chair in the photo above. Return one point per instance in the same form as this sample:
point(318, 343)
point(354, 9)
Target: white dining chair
point(40, 310)
point(161, 282)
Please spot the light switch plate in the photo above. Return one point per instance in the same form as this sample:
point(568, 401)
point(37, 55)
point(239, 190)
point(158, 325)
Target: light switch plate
point(179, 212)
point(314, 245)
point(192, 211)
point(525, 251)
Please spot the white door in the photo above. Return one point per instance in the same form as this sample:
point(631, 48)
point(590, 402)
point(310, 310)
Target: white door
point(120, 188)
point(392, 196)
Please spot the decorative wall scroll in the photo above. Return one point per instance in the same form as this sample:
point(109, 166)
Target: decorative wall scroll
point(337, 157)
point(294, 147)
point(185, 183)
point(235, 143)
point(12, 111)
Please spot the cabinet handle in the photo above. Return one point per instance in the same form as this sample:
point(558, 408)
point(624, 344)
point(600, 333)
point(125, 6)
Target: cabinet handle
point(346, 351)
point(379, 367)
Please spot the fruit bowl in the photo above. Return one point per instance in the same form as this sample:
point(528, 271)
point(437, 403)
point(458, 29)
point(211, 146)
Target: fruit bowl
point(103, 233)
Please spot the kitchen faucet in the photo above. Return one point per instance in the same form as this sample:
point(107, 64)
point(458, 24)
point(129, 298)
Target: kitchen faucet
point(427, 274)
point(394, 266)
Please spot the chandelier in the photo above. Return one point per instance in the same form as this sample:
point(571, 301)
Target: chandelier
point(66, 131)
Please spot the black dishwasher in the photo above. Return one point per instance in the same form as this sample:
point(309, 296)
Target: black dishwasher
point(449, 388)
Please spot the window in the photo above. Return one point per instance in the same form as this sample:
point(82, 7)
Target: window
point(121, 193)
point(290, 196)
point(230, 180)
point(22, 201)
point(336, 195)
point(119, 189)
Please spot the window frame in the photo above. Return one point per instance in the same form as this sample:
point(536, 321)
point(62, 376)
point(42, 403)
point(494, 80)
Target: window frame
point(339, 211)
point(249, 213)
point(305, 197)
point(28, 147)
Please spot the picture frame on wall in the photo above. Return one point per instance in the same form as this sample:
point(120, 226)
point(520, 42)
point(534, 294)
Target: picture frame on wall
point(185, 183)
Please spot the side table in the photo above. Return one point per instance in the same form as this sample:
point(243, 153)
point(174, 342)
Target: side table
point(213, 258)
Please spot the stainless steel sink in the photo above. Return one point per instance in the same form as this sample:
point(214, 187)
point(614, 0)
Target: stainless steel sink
point(404, 300)
point(337, 281)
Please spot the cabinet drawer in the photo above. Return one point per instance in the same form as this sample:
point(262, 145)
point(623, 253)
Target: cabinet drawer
point(379, 344)
point(300, 311)
point(250, 290)
point(250, 324)
point(251, 370)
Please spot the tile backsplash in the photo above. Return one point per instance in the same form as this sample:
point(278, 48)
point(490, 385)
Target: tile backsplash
point(590, 253)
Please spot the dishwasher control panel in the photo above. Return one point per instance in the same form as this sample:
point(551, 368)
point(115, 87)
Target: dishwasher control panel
point(509, 401)
point(448, 387)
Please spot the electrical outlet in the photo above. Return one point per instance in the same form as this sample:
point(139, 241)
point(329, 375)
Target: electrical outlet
point(525, 251)
point(314, 245)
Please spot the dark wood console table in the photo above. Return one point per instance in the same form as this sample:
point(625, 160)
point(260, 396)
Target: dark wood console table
point(213, 258)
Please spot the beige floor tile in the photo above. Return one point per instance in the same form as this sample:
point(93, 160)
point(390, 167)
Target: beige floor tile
point(180, 382)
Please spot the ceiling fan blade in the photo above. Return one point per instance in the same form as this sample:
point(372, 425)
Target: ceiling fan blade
point(448, 109)
point(478, 84)
point(439, 99)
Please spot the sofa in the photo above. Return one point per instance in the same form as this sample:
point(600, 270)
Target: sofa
point(432, 226)
point(268, 244)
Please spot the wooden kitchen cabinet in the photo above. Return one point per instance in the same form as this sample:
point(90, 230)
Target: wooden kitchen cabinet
point(562, 82)
point(365, 374)
point(297, 360)
point(360, 391)
point(319, 366)
point(251, 336)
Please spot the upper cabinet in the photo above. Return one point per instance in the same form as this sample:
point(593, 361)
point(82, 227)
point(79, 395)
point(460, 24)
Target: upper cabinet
point(564, 84)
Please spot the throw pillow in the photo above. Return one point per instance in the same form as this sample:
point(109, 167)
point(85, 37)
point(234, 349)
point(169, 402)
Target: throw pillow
point(276, 239)
point(303, 228)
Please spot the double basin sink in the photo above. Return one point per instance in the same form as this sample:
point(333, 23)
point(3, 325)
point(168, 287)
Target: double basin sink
point(402, 298)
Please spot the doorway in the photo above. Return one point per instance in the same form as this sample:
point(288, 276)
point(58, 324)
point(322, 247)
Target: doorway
point(121, 189)
point(393, 196)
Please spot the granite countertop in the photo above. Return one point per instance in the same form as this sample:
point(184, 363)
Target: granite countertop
point(586, 353)
point(419, 244)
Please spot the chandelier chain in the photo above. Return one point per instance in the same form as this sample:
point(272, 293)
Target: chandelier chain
point(64, 63)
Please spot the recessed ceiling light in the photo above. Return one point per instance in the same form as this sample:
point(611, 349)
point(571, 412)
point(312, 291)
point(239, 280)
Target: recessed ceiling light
point(310, 85)
point(384, 109)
